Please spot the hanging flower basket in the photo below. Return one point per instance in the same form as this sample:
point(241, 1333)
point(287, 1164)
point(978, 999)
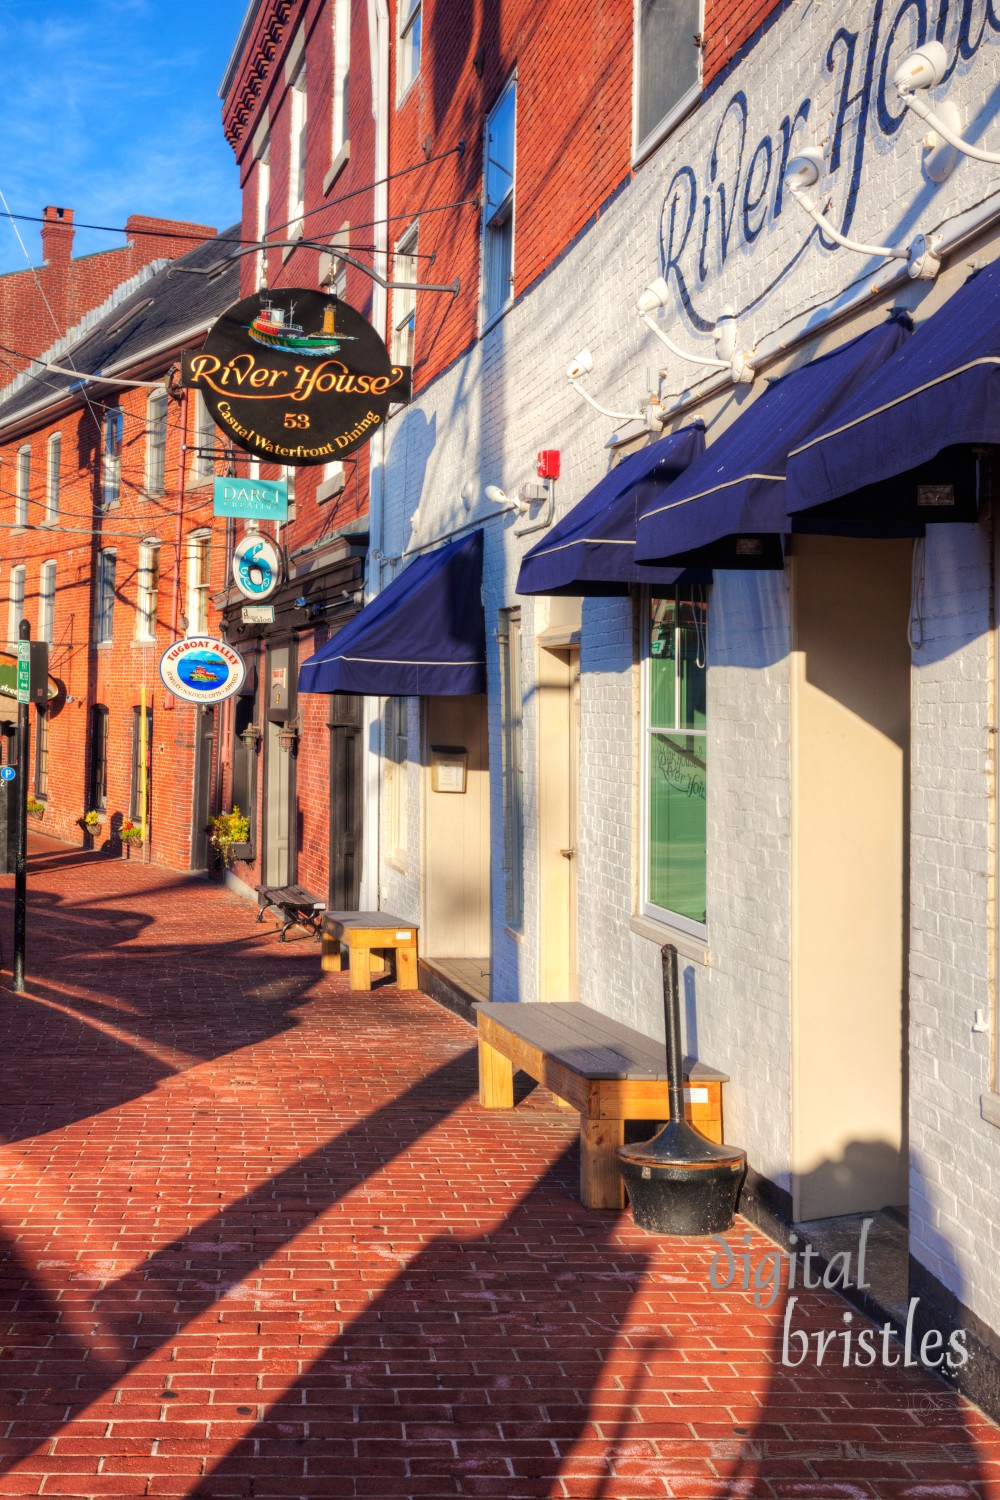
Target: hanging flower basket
point(93, 824)
point(36, 809)
point(130, 835)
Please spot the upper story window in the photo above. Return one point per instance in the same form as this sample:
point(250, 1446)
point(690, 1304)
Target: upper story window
point(52, 478)
point(148, 591)
point(341, 72)
point(673, 752)
point(47, 601)
point(667, 66)
point(408, 52)
point(404, 299)
point(156, 442)
point(23, 485)
point(197, 581)
point(498, 204)
point(203, 457)
point(111, 473)
point(105, 596)
point(297, 155)
point(263, 208)
point(16, 601)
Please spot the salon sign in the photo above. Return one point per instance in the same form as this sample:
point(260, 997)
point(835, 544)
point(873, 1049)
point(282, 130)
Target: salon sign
point(729, 231)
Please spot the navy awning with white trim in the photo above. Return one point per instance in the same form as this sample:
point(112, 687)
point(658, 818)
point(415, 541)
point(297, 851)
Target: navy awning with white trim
point(941, 390)
point(425, 634)
point(591, 551)
point(728, 509)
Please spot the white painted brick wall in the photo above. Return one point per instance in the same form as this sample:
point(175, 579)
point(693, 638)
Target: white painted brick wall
point(483, 421)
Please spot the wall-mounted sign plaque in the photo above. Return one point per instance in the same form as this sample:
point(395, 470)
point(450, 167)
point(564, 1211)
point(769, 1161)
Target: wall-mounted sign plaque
point(202, 670)
point(256, 566)
point(295, 376)
point(252, 499)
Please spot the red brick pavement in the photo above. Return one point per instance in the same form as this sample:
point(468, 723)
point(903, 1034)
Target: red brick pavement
point(260, 1240)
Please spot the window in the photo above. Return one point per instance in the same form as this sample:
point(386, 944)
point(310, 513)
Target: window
point(98, 758)
point(667, 65)
point(41, 752)
point(112, 468)
point(16, 611)
point(674, 770)
point(288, 473)
point(498, 205)
point(396, 770)
point(196, 608)
point(147, 592)
point(410, 21)
point(52, 477)
point(245, 753)
point(513, 765)
point(135, 805)
point(332, 268)
point(105, 601)
point(341, 70)
point(263, 208)
point(297, 156)
point(23, 485)
point(203, 456)
point(404, 301)
point(156, 442)
point(47, 601)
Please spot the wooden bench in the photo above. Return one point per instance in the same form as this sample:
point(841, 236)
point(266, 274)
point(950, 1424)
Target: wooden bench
point(298, 907)
point(367, 935)
point(607, 1071)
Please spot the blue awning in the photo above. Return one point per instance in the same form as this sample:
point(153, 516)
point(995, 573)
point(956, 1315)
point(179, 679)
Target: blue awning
point(728, 509)
point(940, 391)
point(591, 550)
point(423, 635)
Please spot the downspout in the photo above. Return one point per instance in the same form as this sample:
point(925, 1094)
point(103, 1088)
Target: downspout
point(378, 49)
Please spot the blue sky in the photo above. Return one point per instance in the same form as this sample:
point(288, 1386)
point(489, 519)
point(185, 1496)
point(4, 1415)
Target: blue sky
point(110, 107)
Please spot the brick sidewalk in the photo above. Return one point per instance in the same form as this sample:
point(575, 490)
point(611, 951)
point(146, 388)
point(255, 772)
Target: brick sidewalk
point(260, 1240)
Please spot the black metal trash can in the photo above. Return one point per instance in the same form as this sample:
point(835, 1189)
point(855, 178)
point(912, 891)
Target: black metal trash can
point(680, 1182)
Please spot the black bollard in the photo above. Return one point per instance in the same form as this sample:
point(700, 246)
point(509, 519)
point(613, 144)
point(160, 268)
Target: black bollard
point(680, 1182)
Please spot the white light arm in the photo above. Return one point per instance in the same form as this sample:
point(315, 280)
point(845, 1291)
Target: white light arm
point(694, 359)
point(616, 416)
point(803, 199)
point(920, 107)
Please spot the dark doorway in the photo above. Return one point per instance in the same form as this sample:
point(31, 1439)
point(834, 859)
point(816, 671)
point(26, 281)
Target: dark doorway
point(204, 733)
point(345, 801)
point(98, 788)
point(135, 796)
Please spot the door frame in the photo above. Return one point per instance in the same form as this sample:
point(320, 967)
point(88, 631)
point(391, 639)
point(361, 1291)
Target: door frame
point(557, 678)
point(287, 715)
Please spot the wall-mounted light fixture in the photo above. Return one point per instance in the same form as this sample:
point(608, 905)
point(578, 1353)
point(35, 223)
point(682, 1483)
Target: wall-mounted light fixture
point(582, 365)
point(922, 70)
point(737, 362)
point(805, 170)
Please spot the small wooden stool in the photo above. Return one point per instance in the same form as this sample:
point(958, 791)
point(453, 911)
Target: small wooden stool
point(364, 933)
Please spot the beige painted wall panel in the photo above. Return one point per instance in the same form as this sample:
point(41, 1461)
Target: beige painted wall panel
point(457, 919)
point(850, 754)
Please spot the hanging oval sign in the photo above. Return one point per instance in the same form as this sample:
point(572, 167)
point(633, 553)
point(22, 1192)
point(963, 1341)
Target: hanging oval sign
point(256, 566)
point(202, 670)
point(295, 376)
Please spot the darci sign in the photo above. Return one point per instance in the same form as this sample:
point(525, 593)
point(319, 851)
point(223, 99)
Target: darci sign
point(295, 377)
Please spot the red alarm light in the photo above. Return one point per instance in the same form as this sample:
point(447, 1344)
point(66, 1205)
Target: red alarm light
point(548, 463)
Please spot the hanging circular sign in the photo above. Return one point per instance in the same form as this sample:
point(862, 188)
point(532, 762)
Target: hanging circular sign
point(202, 670)
point(295, 376)
point(256, 566)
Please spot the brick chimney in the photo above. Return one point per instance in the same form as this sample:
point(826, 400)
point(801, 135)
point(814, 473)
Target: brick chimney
point(57, 235)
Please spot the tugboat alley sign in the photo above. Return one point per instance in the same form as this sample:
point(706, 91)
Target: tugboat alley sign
point(295, 377)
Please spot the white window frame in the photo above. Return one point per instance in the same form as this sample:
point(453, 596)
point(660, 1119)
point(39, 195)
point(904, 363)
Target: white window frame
point(395, 750)
point(198, 558)
point(111, 460)
point(203, 463)
point(263, 208)
point(157, 415)
point(105, 600)
point(53, 478)
point(340, 138)
point(647, 907)
point(488, 316)
point(404, 301)
point(147, 592)
point(642, 148)
point(410, 15)
point(47, 601)
point(22, 485)
point(298, 112)
point(15, 596)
